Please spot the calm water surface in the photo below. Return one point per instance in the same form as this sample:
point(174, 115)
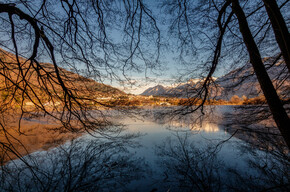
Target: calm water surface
point(151, 155)
point(155, 138)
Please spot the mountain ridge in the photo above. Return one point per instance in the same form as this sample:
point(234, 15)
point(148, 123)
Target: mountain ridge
point(46, 71)
point(240, 82)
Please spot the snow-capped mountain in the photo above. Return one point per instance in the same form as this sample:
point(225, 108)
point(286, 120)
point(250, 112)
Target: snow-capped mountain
point(157, 90)
point(243, 81)
point(240, 82)
point(182, 90)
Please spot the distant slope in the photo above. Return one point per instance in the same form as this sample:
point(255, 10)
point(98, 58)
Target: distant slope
point(240, 82)
point(75, 82)
point(181, 90)
point(157, 90)
point(243, 81)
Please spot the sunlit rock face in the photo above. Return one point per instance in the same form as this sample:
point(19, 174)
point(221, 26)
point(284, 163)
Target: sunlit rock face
point(73, 80)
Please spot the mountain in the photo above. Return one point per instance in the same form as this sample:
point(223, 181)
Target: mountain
point(157, 90)
point(42, 78)
point(240, 82)
point(180, 90)
point(243, 81)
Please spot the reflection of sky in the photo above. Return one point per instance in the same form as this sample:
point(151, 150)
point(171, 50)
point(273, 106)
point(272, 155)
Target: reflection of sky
point(153, 133)
point(156, 134)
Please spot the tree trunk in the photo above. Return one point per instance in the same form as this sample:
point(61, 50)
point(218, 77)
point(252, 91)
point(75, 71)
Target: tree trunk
point(280, 29)
point(279, 114)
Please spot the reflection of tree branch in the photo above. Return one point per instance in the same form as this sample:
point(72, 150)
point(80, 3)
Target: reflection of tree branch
point(79, 34)
point(187, 166)
point(193, 168)
point(78, 166)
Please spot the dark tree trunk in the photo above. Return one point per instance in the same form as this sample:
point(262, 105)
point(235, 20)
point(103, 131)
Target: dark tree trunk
point(279, 114)
point(280, 29)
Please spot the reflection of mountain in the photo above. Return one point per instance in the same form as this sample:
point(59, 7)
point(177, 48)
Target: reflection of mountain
point(241, 81)
point(210, 121)
point(204, 127)
point(208, 127)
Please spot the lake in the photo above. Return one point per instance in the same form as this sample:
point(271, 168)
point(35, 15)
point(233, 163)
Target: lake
point(149, 152)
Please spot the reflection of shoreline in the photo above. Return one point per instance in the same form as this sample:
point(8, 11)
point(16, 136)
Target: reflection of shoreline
point(196, 121)
point(259, 138)
point(37, 134)
point(205, 126)
point(40, 134)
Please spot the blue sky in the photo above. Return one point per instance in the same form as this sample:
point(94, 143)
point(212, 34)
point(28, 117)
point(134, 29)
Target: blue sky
point(139, 81)
point(172, 68)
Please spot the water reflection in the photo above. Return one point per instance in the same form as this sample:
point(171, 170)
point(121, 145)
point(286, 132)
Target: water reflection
point(197, 122)
point(80, 165)
point(207, 127)
point(189, 167)
point(153, 155)
point(203, 126)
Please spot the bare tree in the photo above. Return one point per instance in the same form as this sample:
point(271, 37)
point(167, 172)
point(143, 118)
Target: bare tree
point(108, 39)
point(221, 29)
point(280, 29)
point(105, 39)
point(279, 114)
